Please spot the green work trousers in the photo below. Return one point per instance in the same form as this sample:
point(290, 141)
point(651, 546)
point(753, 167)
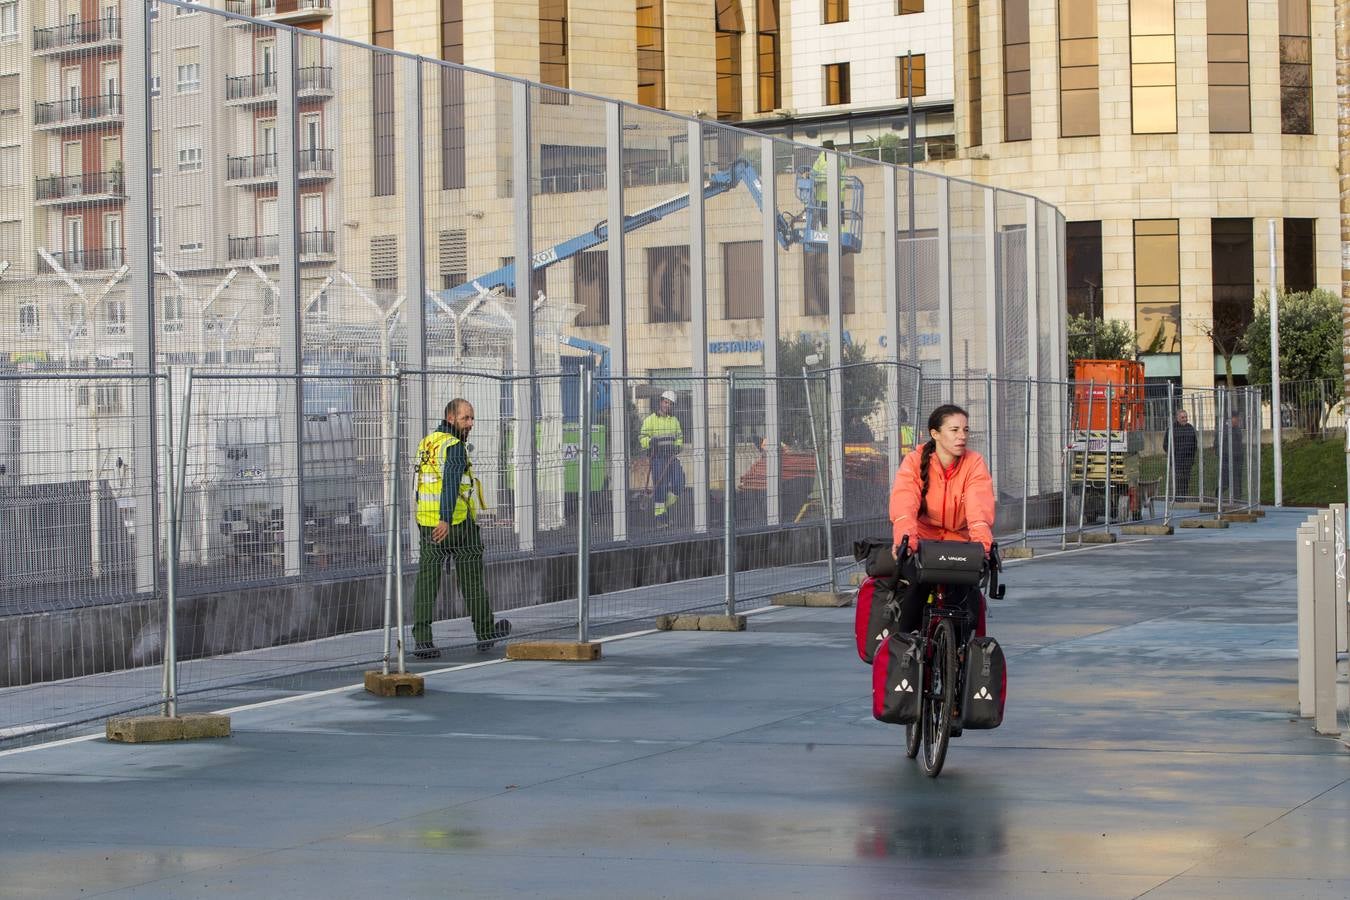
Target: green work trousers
point(465, 544)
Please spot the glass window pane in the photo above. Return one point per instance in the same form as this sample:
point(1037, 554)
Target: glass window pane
point(1229, 109)
point(1079, 113)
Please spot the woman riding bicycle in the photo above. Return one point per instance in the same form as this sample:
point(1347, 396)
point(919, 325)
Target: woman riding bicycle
point(942, 492)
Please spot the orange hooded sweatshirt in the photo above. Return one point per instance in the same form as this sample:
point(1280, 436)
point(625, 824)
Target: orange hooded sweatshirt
point(960, 507)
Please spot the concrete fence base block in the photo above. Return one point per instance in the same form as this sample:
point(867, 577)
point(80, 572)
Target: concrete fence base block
point(1259, 513)
point(700, 623)
point(1203, 523)
point(1017, 552)
point(1146, 529)
point(155, 729)
point(813, 598)
point(554, 651)
point(856, 578)
point(1238, 517)
point(1098, 537)
point(395, 684)
point(1192, 504)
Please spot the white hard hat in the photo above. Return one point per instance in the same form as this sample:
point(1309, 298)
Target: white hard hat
point(668, 395)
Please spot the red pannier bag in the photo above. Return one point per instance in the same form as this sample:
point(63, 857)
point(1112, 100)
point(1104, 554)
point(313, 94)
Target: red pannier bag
point(874, 616)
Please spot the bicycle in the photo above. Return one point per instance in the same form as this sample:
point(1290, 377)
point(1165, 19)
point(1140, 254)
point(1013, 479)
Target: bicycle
point(942, 640)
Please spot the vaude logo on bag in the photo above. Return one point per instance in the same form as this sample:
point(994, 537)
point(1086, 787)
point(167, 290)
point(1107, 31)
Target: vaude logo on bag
point(904, 687)
point(885, 633)
point(983, 694)
point(945, 558)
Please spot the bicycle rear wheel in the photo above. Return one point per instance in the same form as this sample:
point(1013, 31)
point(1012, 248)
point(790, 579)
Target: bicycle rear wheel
point(939, 698)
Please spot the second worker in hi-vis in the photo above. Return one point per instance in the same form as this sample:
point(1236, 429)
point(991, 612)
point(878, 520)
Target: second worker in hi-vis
point(449, 498)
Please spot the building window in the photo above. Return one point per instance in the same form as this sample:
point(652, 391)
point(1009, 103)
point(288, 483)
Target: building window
point(651, 53)
point(9, 166)
point(30, 320)
point(1295, 68)
point(1231, 266)
point(976, 101)
point(743, 280)
point(770, 61)
point(553, 47)
point(9, 22)
point(114, 317)
point(384, 262)
point(1153, 67)
point(668, 284)
point(918, 64)
point(1157, 285)
point(730, 28)
point(816, 284)
point(382, 97)
point(453, 258)
point(171, 310)
point(452, 96)
point(1300, 254)
point(1083, 268)
point(11, 240)
point(1078, 110)
point(1016, 70)
point(836, 11)
point(908, 7)
point(590, 287)
point(188, 70)
point(836, 84)
point(1229, 91)
point(189, 145)
point(157, 230)
point(184, 10)
point(154, 74)
point(188, 225)
point(156, 162)
point(9, 95)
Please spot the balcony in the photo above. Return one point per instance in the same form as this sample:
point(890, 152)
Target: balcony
point(89, 187)
point(290, 12)
point(312, 164)
point(81, 260)
point(310, 244)
point(92, 34)
point(78, 112)
point(261, 87)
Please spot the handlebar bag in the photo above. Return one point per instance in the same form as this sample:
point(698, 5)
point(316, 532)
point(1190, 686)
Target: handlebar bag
point(986, 684)
point(875, 613)
point(955, 563)
point(875, 555)
point(895, 680)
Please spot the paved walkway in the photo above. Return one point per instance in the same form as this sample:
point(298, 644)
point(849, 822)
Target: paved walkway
point(1150, 749)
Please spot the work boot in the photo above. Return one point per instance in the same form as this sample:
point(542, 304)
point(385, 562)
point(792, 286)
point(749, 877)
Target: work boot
point(499, 631)
point(426, 650)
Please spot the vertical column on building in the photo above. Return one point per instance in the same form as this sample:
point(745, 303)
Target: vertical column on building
point(141, 289)
point(618, 321)
point(414, 275)
point(772, 427)
point(523, 342)
point(698, 330)
point(834, 434)
point(290, 355)
point(891, 274)
point(993, 293)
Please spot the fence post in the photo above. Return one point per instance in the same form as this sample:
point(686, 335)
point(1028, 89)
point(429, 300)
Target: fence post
point(391, 521)
point(729, 499)
point(1170, 476)
point(584, 504)
point(822, 478)
point(397, 521)
point(1026, 462)
point(1220, 445)
point(1066, 466)
point(1200, 454)
point(1110, 433)
point(1087, 458)
point(176, 500)
point(989, 411)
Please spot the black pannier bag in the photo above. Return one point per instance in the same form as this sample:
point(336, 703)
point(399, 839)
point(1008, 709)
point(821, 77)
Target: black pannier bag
point(875, 555)
point(954, 563)
point(874, 617)
point(986, 684)
point(895, 680)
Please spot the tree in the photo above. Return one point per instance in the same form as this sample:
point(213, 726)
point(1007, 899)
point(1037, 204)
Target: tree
point(1228, 333)
point(864, 390)
point(1091, 338)
point(1310, 343)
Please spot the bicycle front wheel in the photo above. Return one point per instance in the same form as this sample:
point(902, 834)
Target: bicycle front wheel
point(939, 698)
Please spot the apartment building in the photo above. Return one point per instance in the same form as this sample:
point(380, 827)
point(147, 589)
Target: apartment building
point(213, 96)
point(1170, 136)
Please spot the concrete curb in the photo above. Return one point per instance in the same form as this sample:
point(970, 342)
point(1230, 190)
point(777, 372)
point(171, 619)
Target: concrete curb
point(1146, 529)
point(395, 684)
point(156, 729)
point(813, 598)
point(554, 651)
point(700, 623)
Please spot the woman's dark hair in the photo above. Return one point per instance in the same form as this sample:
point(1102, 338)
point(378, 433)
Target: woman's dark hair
point(935, 421)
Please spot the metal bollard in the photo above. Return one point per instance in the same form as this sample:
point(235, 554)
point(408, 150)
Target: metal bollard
point(1307, 537)
point(1324, 629)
